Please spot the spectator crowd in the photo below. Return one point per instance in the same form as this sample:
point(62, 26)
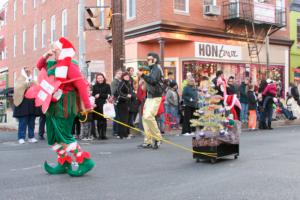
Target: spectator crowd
point(255, 105)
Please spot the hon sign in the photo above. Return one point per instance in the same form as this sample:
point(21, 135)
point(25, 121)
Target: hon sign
point(217, 51)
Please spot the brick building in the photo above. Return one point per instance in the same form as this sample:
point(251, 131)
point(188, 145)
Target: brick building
point(34, 24)
point(203, 36)
point(3, 50)
point(196, 36)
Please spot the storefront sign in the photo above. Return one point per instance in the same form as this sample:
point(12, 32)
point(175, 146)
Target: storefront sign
point(217, 51)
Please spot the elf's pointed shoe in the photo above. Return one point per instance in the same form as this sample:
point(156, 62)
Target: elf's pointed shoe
point(61, 168)
point(85, 164)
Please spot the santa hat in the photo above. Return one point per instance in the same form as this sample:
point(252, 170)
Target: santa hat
point(64, 59)
point(66, 47)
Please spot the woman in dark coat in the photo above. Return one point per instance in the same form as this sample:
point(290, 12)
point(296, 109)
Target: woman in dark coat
point(101, 91)
point(25, 110)
point(190, 101)
point(123, 100)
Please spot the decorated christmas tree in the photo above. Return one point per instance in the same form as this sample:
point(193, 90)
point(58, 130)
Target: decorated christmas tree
point(214, 125)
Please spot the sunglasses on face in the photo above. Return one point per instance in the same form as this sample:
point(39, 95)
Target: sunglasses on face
point(149, 59)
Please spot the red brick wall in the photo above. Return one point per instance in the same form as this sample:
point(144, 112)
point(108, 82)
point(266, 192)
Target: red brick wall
point(96, 46)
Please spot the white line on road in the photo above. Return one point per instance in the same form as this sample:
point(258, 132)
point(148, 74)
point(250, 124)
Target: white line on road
point(26, 168)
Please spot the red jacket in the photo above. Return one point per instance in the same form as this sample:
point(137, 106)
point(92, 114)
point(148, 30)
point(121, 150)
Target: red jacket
point(271, 89)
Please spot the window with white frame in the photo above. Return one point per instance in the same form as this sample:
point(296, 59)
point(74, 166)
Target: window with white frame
point(34, 3)
point(64, 22)
point(43, 33)
point(210, 2)
point(181, 6)
point(52, 29)
point(24, 42)
point(102, 13)
point(24, 7)
point(15, 10)
point(131, 9)
point(34, 36)
point(15, 45)
point(280, 11)
point(78, 19)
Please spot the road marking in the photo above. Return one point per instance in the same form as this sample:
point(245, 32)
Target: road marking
point(26, 168)
point(104, 153)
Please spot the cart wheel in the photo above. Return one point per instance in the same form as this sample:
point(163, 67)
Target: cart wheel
point(197, 160)
point(236, 156)
point(213, 160)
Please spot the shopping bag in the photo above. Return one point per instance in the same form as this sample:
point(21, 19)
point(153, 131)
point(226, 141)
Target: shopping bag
point(109, 110)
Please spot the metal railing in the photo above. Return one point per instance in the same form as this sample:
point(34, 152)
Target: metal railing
point(259, 13)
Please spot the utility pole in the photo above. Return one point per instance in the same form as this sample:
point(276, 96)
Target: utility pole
point(118, 35)
point(268, 54)
point(82, 52)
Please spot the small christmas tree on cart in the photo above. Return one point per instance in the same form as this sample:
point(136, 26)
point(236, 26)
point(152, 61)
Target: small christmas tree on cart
point(217, 134)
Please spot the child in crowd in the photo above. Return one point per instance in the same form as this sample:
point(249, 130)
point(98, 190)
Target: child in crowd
point(86, 127)
point(252, 106)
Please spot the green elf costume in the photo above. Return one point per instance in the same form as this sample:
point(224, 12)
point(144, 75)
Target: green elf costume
point(65, 104)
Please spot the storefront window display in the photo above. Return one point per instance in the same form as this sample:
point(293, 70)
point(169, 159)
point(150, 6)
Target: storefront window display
point(200, 69)
point(240, 71)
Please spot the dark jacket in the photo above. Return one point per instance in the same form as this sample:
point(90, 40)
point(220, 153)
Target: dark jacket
point(154, 83)
point(295, 93)
point(243, 93)
point(114, 86)
point(190, 96)
point(252, 100)
point(26, 108)
point(123, 90)
point(103, 90)
point(231, 90)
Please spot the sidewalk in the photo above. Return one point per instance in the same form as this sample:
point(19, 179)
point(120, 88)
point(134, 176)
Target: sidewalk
point(12, 124)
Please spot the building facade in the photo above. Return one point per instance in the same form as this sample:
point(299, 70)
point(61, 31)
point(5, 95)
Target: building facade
point(295, 35)
point(3, 50)
point(196, 36)
point(204, 36)
point(32, 25)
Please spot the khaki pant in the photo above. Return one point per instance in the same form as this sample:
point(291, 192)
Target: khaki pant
point(150, 125)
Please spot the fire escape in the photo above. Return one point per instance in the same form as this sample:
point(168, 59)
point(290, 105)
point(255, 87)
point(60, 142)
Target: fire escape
point(253, 22)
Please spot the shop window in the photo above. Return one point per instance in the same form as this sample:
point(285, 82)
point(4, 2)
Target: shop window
point(181, 6)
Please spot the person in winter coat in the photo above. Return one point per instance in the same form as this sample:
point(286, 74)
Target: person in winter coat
point(114, 88)
point(252, 106)
point(269, 94)
point(123, 98)
point(154, 85)
point(172, 102)
point(101, 91)
point(141, 95)
point(244, 100)
point(190, 101)
point(295, 93)
point(25, 110)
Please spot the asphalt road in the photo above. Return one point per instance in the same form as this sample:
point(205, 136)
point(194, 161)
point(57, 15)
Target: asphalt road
point(268, 168)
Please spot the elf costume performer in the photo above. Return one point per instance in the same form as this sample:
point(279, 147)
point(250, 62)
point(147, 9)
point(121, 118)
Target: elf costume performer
point(61, 92)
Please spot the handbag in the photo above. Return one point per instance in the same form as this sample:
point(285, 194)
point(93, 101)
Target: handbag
point(109, 110)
